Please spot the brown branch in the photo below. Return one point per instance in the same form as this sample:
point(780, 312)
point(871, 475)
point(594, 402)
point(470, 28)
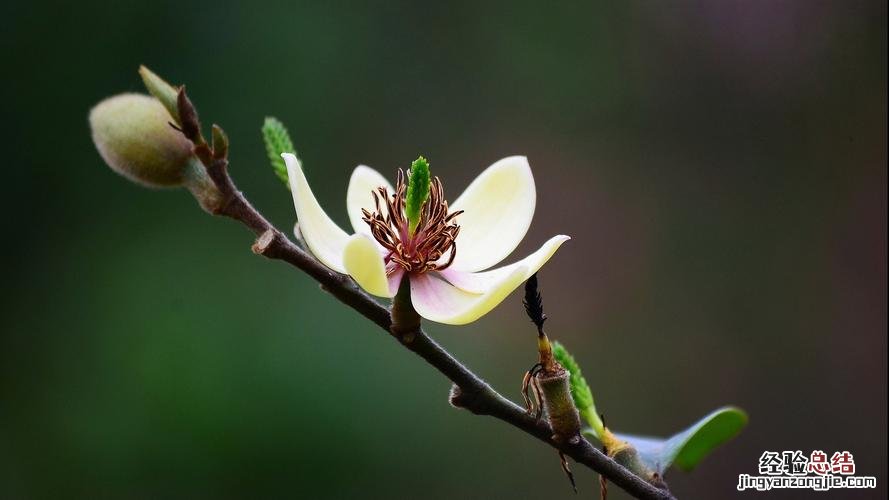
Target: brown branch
point(469, 391)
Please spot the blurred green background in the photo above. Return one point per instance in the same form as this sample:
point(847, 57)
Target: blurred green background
point(721, 167)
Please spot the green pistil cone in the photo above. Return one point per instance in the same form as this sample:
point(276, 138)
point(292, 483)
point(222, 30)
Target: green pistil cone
point(417, 192)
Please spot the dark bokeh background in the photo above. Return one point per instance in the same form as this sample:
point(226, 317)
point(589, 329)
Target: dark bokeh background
point(721, 167)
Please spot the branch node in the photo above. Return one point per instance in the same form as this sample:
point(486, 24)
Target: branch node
point(455, 397)
point(472, 401)
point(264, 242)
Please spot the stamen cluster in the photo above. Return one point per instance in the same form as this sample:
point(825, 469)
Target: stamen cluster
point(433, 239)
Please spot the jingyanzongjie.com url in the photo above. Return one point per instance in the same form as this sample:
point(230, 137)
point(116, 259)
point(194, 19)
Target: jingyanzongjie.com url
point(817, 483)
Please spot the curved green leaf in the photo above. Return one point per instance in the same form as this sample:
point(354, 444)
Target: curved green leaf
point(580, 390)
point(687, 448)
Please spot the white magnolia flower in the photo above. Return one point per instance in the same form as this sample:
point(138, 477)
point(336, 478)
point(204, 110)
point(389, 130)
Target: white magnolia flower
point(446, 255)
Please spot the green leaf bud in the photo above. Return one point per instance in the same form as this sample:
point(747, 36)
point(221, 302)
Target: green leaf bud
point(277, 141)
point(133, 134)
point(163, 91)
point(418, 185)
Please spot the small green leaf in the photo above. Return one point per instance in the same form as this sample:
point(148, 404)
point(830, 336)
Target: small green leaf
point(580, 391)
point(417, 192)
point(162, 91)
point(277, 141)
point(690, 446)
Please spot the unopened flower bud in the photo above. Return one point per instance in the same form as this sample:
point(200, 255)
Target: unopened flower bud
point(133, 134)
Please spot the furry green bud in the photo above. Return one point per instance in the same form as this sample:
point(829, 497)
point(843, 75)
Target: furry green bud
point(133, 134)
point(555, 392)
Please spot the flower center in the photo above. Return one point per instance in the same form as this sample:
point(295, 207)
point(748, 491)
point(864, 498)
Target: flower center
point(431, 246)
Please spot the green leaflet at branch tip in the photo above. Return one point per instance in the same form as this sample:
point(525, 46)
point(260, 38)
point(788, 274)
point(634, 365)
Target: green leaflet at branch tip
point(687, 448)
point(417, 191)
point(277, 141)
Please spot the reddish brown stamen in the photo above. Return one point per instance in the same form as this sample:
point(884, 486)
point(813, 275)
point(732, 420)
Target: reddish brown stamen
point(434, 238)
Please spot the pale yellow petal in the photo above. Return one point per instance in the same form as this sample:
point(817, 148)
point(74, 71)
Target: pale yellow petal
point(363, 182)
point(499, 205)
point(323, 237)
point(364, 263)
